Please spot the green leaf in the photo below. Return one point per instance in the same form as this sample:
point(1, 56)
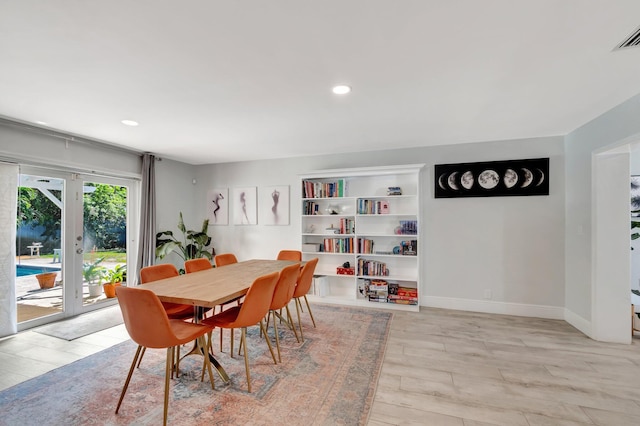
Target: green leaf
point(168, 247)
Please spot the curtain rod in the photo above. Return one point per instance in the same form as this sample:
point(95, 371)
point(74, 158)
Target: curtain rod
point(69, 137)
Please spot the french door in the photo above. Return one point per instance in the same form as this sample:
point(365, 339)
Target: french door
point(84, 228)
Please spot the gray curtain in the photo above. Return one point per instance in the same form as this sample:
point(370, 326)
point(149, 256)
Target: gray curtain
point(147, 244)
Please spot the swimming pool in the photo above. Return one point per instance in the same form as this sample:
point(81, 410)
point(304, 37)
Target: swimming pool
point(24, 270)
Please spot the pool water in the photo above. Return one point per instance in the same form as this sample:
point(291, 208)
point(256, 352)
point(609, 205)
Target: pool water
point(23, 270)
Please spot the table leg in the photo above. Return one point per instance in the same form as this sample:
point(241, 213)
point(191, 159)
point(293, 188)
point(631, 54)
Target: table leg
point(198, 313)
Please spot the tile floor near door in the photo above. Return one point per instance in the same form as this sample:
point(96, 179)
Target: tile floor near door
point(446, 368)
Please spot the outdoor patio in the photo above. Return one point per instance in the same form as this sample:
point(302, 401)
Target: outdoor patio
point(34, 302)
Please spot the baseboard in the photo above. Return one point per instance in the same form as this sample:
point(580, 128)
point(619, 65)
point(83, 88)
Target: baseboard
point(493, 307)
point(578, 322)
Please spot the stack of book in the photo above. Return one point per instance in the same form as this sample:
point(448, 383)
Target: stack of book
point(310, 208)
point(374, 290)
point(347, 225)
point(338, 245)
point(372, 268)
point(402, 295)
point(312, 189)
point(373, 207)
point(365, 245)
point(409, 227)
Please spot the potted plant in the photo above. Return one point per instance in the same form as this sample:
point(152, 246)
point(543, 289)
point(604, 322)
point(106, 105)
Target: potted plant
point(93, 274)
point(47, 279)
point(114, 278)
point(194, 244)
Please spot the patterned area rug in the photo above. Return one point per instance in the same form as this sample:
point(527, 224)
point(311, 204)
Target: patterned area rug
point(329, 379)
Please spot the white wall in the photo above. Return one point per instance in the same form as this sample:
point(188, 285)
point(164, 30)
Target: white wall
point(39, 149)
point(618, 126)
point(175, 193)
point(513, 246)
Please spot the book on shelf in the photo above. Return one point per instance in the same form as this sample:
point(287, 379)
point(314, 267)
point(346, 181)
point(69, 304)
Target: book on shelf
point(365, 245)
point(403, 302)
point(398, 297)
point(373, 206)
point(314, 189)
point(409, 247)
point(338, 245)
point(372, 268)
point(408, 227)
point(407, 291)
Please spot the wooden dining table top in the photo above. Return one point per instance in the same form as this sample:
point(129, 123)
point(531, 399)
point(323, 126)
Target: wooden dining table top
point(215, 286)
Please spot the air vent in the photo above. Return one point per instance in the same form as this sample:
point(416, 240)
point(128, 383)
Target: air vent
point(632, 41)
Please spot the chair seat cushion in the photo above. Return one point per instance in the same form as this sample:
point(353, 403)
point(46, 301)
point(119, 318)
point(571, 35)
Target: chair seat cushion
point(225, 319)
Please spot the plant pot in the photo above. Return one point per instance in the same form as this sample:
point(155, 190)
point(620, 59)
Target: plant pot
point(110, 289)
point(47, 279)
point(95, 290)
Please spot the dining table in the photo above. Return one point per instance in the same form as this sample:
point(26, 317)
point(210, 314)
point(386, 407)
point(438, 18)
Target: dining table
point(213, 287)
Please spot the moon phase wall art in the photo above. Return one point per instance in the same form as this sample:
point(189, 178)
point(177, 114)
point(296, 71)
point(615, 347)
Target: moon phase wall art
point(492, 178)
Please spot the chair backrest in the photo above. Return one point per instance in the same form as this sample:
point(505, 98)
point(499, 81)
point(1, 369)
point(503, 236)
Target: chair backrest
point(144, 317)
point(257, 300)
point(306, 278)
point(224, 259)
point(195, 265)
point(286, 286)
point(294, 255)
point(157, 272)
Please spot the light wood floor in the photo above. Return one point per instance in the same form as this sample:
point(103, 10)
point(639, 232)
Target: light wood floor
point(445, 368)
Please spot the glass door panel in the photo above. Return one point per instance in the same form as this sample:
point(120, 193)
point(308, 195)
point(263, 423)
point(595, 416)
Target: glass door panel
point(104, 237)
point(39, 248)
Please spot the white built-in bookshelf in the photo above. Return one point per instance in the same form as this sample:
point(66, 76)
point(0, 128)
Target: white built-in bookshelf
point(368, 217)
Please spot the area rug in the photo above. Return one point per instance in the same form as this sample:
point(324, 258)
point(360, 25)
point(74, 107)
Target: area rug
point(82, 325)
point(329, 379)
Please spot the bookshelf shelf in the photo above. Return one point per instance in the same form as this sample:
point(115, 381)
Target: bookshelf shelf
point(380, 206)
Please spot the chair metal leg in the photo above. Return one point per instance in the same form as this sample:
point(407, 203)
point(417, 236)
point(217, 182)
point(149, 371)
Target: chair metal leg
point(141, 355)
point(167, 375)
point(297, 303)
point(176, 363)
point(275, 329)
point(126, 382)
point(266, 336)
point(291, 323)
point(310, 313)
point(243, 340)
point(231, 343)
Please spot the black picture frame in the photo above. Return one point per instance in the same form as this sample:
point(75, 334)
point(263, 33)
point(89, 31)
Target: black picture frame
point(492, 178)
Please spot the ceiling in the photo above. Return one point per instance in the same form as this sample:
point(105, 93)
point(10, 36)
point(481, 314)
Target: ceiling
point(215, 81)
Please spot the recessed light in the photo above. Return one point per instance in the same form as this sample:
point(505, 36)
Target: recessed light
point(42, 123)
point(129, 123)
point(341, 90)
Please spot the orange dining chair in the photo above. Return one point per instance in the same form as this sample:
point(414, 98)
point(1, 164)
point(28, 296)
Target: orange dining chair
point(224, 259)
point(281, 297)
point(302, 288)
point(149, 326)
point(195, 265)
point(174, 310)
point(251, 312)
point(294, 255)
